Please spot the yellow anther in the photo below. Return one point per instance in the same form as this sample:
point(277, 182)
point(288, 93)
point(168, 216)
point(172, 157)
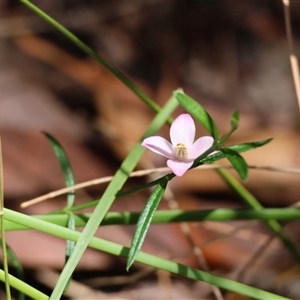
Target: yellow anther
point(180, 151)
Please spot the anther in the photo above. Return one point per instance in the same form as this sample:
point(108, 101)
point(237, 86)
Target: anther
point(180, 151)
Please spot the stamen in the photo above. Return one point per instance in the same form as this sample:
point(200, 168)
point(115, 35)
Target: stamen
point(180, 151)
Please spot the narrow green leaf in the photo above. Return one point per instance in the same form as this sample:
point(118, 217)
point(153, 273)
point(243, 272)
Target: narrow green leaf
point(72, 226)
point(237, 162)
point(237, 148)
point(250, 146)
point(235, 120)
point(234, 125)
point(70, 244)
point(198, 112)
point(69, 181)
point(145, 220)
point(64, 164)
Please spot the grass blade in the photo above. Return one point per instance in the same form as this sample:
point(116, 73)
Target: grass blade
point(70, 244)
point(65, 166)
point(69, 181)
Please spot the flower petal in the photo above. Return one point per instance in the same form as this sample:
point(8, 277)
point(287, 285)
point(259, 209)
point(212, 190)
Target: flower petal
point(179, 167)
point(183, 130)
point(159, 145)
point(200, 146)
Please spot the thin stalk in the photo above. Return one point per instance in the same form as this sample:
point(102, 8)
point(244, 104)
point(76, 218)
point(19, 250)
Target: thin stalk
point(3, 233)
point(23, 287)
point(173, 216)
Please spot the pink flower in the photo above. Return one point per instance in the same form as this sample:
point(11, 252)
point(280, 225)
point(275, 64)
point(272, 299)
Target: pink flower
point(183, 150)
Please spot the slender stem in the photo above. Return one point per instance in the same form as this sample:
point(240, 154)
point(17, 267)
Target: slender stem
point(23, 287)
point(173, 216)
point(3, 233)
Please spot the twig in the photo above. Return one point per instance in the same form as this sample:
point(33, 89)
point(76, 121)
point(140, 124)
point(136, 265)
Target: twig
point(140, 174)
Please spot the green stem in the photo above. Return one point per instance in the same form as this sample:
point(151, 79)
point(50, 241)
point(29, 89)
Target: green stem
point(174, 216)
point(3, 233)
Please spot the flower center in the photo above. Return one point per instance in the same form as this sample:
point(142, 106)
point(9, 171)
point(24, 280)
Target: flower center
point(180, 151)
